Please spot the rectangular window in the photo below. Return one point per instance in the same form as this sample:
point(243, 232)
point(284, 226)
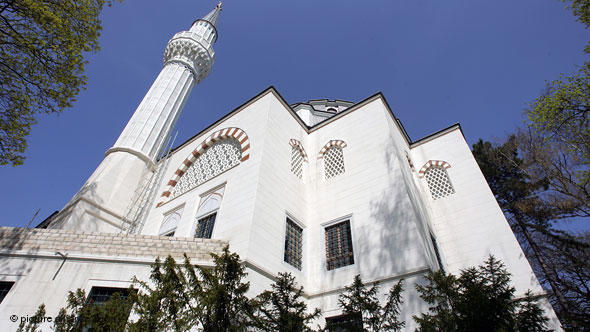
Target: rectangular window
point(5, 287)
point(339, 245)
point(293, 244)
point(205, 226)
point(100, 295)
point(344, 323)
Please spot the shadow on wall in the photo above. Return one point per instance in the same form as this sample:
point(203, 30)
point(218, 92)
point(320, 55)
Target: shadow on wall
point(15, 239)
point(391, 244)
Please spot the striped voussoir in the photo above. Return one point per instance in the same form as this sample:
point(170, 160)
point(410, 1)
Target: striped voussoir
point(335, 142)
point(297, 144)
point(231, 132)
point(431, 163)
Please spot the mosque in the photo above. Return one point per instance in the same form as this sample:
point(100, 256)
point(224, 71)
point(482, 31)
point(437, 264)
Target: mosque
point(323, 189)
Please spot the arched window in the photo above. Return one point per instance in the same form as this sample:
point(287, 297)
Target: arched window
point(333, 162)
point(296, 162)
point(170, 222)
point(218, 158)
point(207, 214)
point(438, 182)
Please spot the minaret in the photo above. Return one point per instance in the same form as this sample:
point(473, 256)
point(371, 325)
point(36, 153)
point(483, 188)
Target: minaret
point(102, 202)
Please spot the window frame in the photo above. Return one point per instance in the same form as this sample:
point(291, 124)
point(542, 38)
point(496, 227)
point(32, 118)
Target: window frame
point(179, 209)
point(199, 218)
point(355, 318)
point(334, 222)
point(6, 282)
point(297, 223)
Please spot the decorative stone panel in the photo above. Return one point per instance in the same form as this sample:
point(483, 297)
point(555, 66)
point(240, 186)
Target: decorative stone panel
point(227, 133)
point(331, 143)
point(431, 163)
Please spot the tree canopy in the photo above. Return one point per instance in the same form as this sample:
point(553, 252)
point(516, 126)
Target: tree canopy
point(42, 46)
point(480, 299)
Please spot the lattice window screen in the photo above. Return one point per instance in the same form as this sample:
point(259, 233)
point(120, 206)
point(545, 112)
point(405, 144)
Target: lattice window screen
point(333, 162)
point(438, 182)
point(339, 245)
point(293, 244)
point(205, 226)
point(296, 162)
point(220, 157)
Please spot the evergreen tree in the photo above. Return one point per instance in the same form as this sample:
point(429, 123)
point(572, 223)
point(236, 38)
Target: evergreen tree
point(360, 301)
point(83, 316)
point(480, 299)
point(34, 321)
point(282, 309)
point(218, 300)
point(164, 305)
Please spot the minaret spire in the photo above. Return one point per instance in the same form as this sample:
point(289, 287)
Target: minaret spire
point(188, 59)
point(213, 15)
point(102, 204)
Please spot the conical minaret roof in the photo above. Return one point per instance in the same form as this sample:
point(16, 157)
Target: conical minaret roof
point(213, 15)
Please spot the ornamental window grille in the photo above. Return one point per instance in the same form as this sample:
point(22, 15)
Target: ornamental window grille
point(293, 244)
point(205, 226)
point(100, 295)
point(345, 323)
point(218, 158)
point(333, 162)
point(339, 245)
point(5, 287)
point(296, 162)
point(438, 182)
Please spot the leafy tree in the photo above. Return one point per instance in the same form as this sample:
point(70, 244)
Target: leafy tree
point(164, 305)
point(41, 63)
point(359, 299)
point(218, 300)
point(282, 309)
point(557, 140)
point(581, 9)
point(480, 299)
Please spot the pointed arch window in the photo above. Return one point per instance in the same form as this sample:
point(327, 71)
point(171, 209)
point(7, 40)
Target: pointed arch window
point(221, 156)
point(333, 162)
point(438, 182)
point(207, 213)
point(171, 220)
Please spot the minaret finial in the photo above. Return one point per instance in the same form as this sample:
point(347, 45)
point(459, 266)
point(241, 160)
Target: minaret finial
point(219, 4)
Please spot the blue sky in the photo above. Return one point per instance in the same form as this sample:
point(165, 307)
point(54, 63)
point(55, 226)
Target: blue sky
point(478, 63)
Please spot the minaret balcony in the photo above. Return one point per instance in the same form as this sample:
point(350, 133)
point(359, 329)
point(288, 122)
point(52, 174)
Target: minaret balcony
point(192, 50)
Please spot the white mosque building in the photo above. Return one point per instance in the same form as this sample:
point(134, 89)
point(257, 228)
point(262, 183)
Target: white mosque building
point(323, 189)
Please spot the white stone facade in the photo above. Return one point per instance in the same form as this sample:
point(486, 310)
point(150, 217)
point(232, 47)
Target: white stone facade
point(382, 192)
point(318, 163)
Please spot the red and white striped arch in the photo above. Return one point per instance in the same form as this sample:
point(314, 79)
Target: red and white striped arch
point(430, 163)
point(297, 144)
point(335, 142)
point(231, 132)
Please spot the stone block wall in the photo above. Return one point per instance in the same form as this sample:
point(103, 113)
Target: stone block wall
point(31, 241)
